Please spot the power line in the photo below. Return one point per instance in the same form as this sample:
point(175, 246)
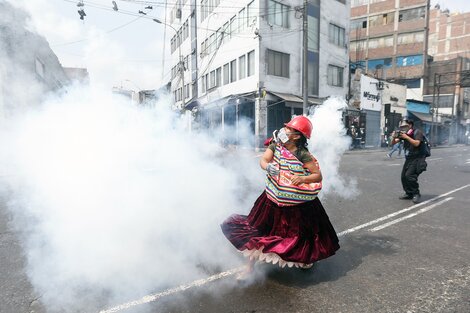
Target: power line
point(86, 39)
point(107, 8)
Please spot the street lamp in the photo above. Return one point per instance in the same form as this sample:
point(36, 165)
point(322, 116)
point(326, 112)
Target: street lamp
point(180, 63)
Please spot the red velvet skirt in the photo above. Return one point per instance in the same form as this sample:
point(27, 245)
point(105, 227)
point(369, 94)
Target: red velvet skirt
point(293, 236)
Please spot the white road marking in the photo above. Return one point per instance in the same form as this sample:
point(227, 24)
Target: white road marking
point(201, 282)
point(425, 209)
point(386, 217)
point(156, 296)
point(393, 164)
point(434, 159)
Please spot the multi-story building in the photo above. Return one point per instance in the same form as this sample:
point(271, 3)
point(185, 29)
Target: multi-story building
point(449, 34)
point(448, 74)
point(243, 59)
point(389, 40)
point(27, 63)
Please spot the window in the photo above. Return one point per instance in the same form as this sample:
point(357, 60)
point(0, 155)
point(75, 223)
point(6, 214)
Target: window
point(410, 60)
point(381, 42)
point(233, 71)
point(313, 33)
point(359, 23)
point(412, 14)
point(207, 7)
point(278, 63)
point(357, 45)
point(410, 38)
point(225, 33)
point(342, 1)
point(336, 35)
point(335, 76)
point(313, 78)
point(251, 63)
point(203, 84)
point(211, 44)
point(251, 14)
point(358, 64)
point(218, 77)
point(212, 81)
point(356, 3)
point(411, 83)
point(278, 14)
point(380, 63)
point(232, 27)
point(242, 67)
point(241, 20)
point(226, 74)
point(382, 19)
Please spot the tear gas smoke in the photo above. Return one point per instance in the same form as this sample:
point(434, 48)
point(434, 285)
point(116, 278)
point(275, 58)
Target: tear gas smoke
point(118, 199)
point(114, 201)
point(328, 144)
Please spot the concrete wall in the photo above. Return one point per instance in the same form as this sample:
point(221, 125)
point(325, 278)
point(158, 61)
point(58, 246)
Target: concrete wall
point(339, 14)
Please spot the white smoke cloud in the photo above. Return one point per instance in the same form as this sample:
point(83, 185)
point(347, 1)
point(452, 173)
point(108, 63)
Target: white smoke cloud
point(115, 201)
point(328, 143)
point(117, 198)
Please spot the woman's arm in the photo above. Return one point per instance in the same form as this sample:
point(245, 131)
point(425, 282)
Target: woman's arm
point(314, 177)
point(266, 158)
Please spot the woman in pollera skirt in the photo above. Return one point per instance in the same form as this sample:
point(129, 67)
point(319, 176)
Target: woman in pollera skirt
point(287, 224)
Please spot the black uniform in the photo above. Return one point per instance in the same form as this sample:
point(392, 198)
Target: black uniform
point(415, 164)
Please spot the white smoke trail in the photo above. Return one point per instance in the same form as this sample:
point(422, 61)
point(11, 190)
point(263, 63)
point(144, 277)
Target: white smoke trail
point(328, 143)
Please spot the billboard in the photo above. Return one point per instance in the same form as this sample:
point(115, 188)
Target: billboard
point(371, 97)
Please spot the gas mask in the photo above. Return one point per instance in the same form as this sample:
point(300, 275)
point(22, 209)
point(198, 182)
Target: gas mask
point(280, 136)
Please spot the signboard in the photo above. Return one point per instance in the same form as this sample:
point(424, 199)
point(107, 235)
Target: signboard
point(371, 98)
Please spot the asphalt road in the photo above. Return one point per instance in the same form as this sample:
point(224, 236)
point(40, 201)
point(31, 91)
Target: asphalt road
point(412, 259)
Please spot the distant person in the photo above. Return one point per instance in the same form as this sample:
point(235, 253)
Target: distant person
point(395, 147)
point(287, 225)
point(415, 162)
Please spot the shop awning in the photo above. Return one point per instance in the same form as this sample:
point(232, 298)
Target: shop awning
point(425, 117)
point(287, 97)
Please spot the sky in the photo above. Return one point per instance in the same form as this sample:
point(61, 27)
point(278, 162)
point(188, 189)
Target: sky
point(118, 49)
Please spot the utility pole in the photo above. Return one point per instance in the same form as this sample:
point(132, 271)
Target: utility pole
point(305, 59)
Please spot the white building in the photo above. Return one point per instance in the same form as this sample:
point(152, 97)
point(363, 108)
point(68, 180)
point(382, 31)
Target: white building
point(243, 59)
point(29, 69)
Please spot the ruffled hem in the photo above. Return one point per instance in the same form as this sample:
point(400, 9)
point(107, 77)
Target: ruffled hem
point(259, 255)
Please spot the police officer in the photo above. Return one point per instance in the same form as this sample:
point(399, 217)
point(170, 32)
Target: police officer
point(415, 162)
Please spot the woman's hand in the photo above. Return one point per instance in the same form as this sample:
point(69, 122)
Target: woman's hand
point(297, 180)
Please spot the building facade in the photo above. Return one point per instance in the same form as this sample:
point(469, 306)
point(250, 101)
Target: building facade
point(243, 59)
point(29, 69)
point(449, 34)
point(448, 83)
point(389, 41)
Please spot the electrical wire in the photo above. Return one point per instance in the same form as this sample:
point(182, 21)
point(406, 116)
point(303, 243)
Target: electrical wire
point(107, 8)
point(107, 32)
